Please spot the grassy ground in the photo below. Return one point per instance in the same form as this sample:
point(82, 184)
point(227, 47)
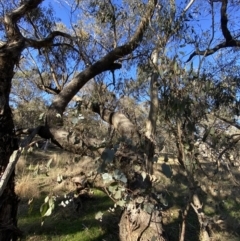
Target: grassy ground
point(36, 180)
point(67, 224)
point(37, 175)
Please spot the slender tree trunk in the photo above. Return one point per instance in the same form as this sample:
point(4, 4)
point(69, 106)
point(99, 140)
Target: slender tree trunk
point(8, 200)
point(138, 223)
point(153, 114)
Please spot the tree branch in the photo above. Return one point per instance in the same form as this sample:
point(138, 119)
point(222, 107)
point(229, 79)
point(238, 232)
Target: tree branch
point(106, 63)
point(14, 158)
point(153, 114)
point(17, 39)
point(119, 121)
point(11, 19)
point(231, 122)
point(48, 89)
point(224, 20)
point(46, 42)
point(229, 40)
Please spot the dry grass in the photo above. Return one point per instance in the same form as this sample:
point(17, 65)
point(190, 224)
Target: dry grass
point(27, 188)
point(30, 185)
point(21, 166)
point(37, 175)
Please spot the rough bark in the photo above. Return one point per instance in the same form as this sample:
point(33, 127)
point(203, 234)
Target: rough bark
point(136, 222)
point(10, 52)
point(140, 220)
point(8, 200)
point(202, 219)
point(138, 225)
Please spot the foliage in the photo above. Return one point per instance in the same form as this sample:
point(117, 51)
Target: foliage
point(120, 118)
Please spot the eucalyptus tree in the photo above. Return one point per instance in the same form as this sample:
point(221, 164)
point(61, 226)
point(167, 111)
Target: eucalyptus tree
point(25, 27)
point(65, 61)
point(199, 100)
point(101, 37)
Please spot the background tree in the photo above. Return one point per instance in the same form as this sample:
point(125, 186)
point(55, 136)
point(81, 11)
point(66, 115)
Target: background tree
point(107, 36)
point(45, 35)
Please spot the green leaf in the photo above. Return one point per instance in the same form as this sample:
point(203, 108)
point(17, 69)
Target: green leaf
point(43, 209)
point(108, 155)
point(30, 149)
point(41, 116)
point(118, 175)
point(166, 170)
point(137, 168)
point(160, 72)
point(81, 117)
point(48, 212)
point(98, 216)
point(118, 194)
point(121, 203)
point(112, 188)
point(212, 131)
point(148, 207)
point(140, 199)
point(144, 175)
point(51, 203)
point(123, 179)
point(74, 120)
point(163, 200)
point(46, 199)
point(47, 207)
point(107, 177)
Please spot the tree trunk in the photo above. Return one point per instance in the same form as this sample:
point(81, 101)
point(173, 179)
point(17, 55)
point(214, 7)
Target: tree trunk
point(8, 200)
point(141, 221)
point(138, 225)
point(153, 114)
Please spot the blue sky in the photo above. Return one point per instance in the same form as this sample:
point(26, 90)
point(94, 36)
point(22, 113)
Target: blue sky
point(63, 12)
point(200, 21)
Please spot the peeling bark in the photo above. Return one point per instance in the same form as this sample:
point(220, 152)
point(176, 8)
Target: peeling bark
point(202, 219)
point(138, 225)
point(120, 122)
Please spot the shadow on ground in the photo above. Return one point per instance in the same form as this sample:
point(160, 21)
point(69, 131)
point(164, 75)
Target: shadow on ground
point(69, 224)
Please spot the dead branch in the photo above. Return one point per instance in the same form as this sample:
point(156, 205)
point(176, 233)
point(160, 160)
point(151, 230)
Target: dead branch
point(13, 160)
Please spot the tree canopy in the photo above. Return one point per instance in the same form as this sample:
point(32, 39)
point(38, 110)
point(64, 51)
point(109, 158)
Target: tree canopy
point(149, 70)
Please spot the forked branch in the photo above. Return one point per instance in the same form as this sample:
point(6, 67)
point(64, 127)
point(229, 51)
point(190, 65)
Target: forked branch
point(104, 64)
point(230, 41)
